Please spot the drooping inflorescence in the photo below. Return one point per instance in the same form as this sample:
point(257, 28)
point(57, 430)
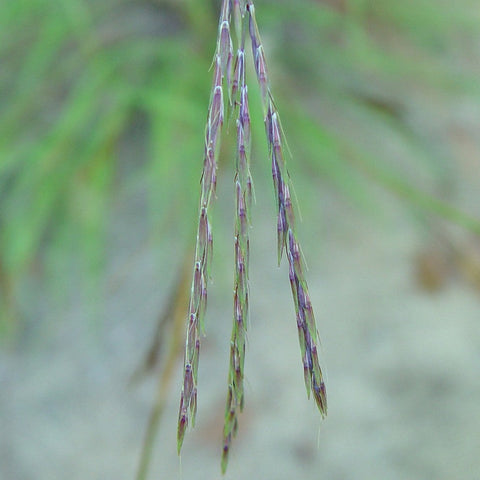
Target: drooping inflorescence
point(203, 249)
point(243, 201)
point(231, 70)
point(287, 240)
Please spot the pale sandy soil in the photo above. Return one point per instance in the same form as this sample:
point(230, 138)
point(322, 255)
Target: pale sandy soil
point(403, 371)
point(403, 365)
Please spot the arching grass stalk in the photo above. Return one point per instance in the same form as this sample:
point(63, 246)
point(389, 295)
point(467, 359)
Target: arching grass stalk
point(198, 294)
point(243, 201)
point(236, 85)
point(286, 236)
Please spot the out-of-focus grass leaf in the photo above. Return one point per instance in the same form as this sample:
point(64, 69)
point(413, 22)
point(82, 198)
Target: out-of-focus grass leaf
point(75, 74)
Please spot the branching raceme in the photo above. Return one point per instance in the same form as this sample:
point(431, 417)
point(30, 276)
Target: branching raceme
point(230, 74)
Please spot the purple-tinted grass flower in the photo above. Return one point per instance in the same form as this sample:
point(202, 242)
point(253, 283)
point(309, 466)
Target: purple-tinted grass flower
point(286, 237)
point(243, 200)
point(234, 78)
point(203, 250)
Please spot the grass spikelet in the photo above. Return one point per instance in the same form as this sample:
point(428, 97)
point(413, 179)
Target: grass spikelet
point(198, 296)
point(287, 240)
point(233, 77)
point(243, 200)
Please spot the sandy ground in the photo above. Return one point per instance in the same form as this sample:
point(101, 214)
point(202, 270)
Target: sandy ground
point(403, 365)
point(403, 370)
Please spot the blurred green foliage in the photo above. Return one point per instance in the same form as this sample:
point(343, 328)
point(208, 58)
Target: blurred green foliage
point(76, 76)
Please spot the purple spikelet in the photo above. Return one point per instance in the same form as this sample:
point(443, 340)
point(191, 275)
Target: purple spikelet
point(243, 200)
point(229, 71)
point(287, 241)
point(198, 296)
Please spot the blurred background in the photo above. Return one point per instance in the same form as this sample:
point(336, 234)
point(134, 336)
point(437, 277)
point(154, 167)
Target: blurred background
point(102, 113)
